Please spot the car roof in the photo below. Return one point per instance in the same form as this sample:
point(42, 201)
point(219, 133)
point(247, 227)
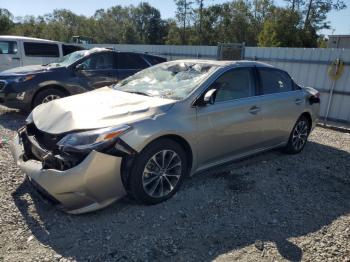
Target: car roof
point(14, 37)
point(104, 49)
point(224, 63)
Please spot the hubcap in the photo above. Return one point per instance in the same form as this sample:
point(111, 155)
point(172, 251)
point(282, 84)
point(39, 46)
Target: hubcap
point(161, 173)
point(50, 98)
point(300, 135)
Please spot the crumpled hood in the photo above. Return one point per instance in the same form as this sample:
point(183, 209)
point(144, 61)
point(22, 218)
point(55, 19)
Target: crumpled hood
point(96, 109)
point(22, 70)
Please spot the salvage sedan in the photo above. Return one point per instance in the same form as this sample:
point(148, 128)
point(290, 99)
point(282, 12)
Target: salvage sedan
point(143, 136)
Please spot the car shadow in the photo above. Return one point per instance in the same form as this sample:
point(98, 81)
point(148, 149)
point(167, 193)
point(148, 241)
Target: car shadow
point(270, 197)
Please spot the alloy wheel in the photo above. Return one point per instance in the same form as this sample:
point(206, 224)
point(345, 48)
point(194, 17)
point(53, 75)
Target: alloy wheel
point(50, 98)
point(161, 173)
point(300, 134)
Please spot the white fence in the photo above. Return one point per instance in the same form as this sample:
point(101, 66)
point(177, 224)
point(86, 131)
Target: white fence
point(309, 67)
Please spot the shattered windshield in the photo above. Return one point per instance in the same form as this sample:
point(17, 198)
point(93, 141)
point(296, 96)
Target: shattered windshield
point(71, 58)
point(173, 80)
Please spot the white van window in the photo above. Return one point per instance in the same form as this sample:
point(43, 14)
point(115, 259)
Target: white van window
point(41, 49)
point(8, 47)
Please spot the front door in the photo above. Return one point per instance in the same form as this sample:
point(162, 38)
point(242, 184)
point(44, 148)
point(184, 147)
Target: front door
point(230, 126)
point(9, 55)
point(99, 70)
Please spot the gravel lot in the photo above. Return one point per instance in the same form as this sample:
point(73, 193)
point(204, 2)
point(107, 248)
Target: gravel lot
point(271, 207)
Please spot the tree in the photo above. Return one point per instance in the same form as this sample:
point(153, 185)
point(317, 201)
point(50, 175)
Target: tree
point(295, 4)
point(5, 21)
point(316, 12)
point(183, 12)
point(148, 23)
point(281, 29)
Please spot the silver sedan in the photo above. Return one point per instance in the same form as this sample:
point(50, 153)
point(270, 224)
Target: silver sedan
point(143, 136)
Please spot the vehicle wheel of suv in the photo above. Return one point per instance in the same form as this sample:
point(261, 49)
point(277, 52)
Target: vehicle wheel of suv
point(298, 137)
point(158, 172)
point(47, 95)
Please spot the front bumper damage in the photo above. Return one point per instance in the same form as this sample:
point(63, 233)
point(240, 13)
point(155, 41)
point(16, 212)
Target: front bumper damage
point(92, 184)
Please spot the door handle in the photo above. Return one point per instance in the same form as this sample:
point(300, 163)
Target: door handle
point(298, 101)
point(254, 110)
point(16, 58)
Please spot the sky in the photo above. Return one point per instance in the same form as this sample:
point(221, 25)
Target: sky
point(340, 21)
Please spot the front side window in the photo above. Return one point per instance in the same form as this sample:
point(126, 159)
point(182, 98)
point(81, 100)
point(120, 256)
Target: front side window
point(71, 58)
point(8, 47)
point(99, 61)
point(131, 61)
point(235, 84)
point(274, 81)
point(41, 49)
point(172, 80)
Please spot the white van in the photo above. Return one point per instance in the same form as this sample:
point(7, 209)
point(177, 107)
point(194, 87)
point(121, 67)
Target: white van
point(20, 51)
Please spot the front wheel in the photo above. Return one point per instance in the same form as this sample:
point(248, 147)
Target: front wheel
point(158, 172)
point(298, 136)
point(47, 95)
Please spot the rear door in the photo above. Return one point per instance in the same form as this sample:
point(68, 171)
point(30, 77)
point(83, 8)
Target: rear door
point(230, 126)
point(9, 54)
point(282, 102)
point(129, 64)
point(37, 53)
point(99, 70)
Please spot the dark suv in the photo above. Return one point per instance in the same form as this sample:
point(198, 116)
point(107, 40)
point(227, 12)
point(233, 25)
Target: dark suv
point(81, 71)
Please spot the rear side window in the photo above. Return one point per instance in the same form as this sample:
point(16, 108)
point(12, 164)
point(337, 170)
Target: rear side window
point(274, 81)
point(67, 49)
point(235, 84)
point(41, 49)
point(8, 47)
point(131, 61)
point(153, 60)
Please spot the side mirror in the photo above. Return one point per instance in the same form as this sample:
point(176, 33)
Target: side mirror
point(80, 67)
point(209, 97)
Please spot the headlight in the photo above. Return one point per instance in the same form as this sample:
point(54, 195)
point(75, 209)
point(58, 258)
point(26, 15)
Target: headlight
point(25, 78)
point(91, 140)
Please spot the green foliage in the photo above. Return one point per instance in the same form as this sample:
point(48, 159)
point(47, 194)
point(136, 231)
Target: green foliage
point(5, 21)
point(281, 29)
point(255, 22)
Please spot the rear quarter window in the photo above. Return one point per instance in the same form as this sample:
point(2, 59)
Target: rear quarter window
point(274, 81)
point(41, 49)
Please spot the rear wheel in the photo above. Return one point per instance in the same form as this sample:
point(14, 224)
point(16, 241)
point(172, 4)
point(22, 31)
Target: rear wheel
point(298, 136)
point(47, 95)
point(158, 172)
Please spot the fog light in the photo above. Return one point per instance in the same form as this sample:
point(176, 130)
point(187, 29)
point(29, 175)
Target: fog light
point(20, 96)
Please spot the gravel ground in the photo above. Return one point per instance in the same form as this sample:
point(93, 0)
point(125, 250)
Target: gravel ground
point(271, 207)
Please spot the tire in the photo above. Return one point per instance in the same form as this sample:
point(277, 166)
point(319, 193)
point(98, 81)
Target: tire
point(298, 137)
point(150, 173)
point(47, 95)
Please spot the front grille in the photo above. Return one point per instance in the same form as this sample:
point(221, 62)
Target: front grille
point(2, 85)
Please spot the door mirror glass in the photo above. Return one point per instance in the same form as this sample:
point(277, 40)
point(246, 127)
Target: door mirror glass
point(209, 97)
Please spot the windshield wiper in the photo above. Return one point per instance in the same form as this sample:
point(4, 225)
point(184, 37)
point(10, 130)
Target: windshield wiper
point(138, 93)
